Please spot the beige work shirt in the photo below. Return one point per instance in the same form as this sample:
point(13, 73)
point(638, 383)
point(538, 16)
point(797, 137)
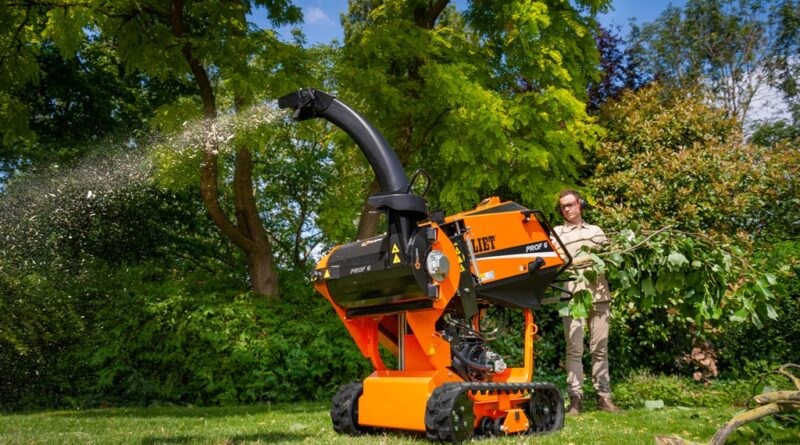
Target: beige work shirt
point(574, 237)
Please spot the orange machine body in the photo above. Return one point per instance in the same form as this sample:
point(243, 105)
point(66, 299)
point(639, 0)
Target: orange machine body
point(502, 241)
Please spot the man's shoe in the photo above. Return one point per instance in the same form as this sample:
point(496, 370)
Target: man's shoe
point(575, 405)
point(605, 404)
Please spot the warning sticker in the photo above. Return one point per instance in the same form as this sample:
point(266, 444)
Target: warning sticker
point(396, 259)
point(327, 274)
point(395, 249)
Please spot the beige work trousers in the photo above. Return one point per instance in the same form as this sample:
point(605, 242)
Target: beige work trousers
point(598, 346)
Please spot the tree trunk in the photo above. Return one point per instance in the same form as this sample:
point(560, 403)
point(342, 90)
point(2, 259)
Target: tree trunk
point(260, 264)
point(248, 233)
point(263, 276)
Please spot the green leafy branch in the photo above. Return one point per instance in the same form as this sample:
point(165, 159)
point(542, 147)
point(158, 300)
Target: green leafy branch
point(691, 275)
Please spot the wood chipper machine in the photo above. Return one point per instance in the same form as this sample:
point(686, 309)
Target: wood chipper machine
point(421, 290)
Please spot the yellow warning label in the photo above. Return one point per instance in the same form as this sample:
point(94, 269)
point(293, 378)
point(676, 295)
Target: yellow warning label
point(395, 249)
point(396, 259)
point(327, 274)
point(462, 268)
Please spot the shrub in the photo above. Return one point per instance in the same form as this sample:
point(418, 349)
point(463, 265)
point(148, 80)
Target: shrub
point(195, 340)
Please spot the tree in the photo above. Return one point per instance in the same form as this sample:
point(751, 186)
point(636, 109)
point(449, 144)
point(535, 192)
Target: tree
point(497, 89)
point(672, 159)
point(784, 66)
point(696, 216)
point(722, 47)
point(619, 69)
point(298, 163)
point(231, 64)
point(70, 104)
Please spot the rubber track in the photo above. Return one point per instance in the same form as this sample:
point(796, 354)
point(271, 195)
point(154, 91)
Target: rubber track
point(437, 416)
point(345, 403)
point(438, 420)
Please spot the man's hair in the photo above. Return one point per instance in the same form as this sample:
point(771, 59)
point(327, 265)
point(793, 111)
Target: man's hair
point(567, 192)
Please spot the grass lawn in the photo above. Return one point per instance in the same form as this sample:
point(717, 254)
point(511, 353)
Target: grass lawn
point(309, 423)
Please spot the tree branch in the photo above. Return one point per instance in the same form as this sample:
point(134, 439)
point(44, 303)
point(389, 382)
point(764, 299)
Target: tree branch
point(17, 32)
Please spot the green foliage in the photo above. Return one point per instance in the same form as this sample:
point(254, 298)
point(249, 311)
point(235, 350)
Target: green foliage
point(497, 89)
point(231, 63)
point(18, 60)
point(297, 159)
point(674, 291)
point(677, 391)
point(76, 103)
point(747, 350)
point(143, 335)
point(38, 324)
point(197, 340)
point(62, 251)
point(770, 134)
point(676, 161)
point(579, 305)
point(679, 161)
point(690, 276)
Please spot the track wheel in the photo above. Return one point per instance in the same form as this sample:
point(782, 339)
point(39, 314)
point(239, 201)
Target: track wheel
point(546, 411)
point(485, 426)
point(344, 412)
point(497, 427)
point(449, 416)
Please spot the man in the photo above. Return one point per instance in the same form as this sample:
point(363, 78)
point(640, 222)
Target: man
point(575, 233)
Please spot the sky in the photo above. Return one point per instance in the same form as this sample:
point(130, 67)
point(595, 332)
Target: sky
point(322, 24)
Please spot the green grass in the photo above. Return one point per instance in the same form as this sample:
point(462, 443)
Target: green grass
point(309, 423)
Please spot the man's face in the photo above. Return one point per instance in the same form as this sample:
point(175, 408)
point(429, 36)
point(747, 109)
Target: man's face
point(570, 208)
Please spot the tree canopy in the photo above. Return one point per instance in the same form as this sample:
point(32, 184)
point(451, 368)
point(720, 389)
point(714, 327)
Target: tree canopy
point(723, 48)
point(497, 89)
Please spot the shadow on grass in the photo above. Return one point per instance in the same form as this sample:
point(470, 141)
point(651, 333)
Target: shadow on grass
point(198, 412)
point(268, 437)
point(169, 440)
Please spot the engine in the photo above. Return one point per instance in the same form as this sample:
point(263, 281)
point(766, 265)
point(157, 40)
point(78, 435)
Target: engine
point(472, 359)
